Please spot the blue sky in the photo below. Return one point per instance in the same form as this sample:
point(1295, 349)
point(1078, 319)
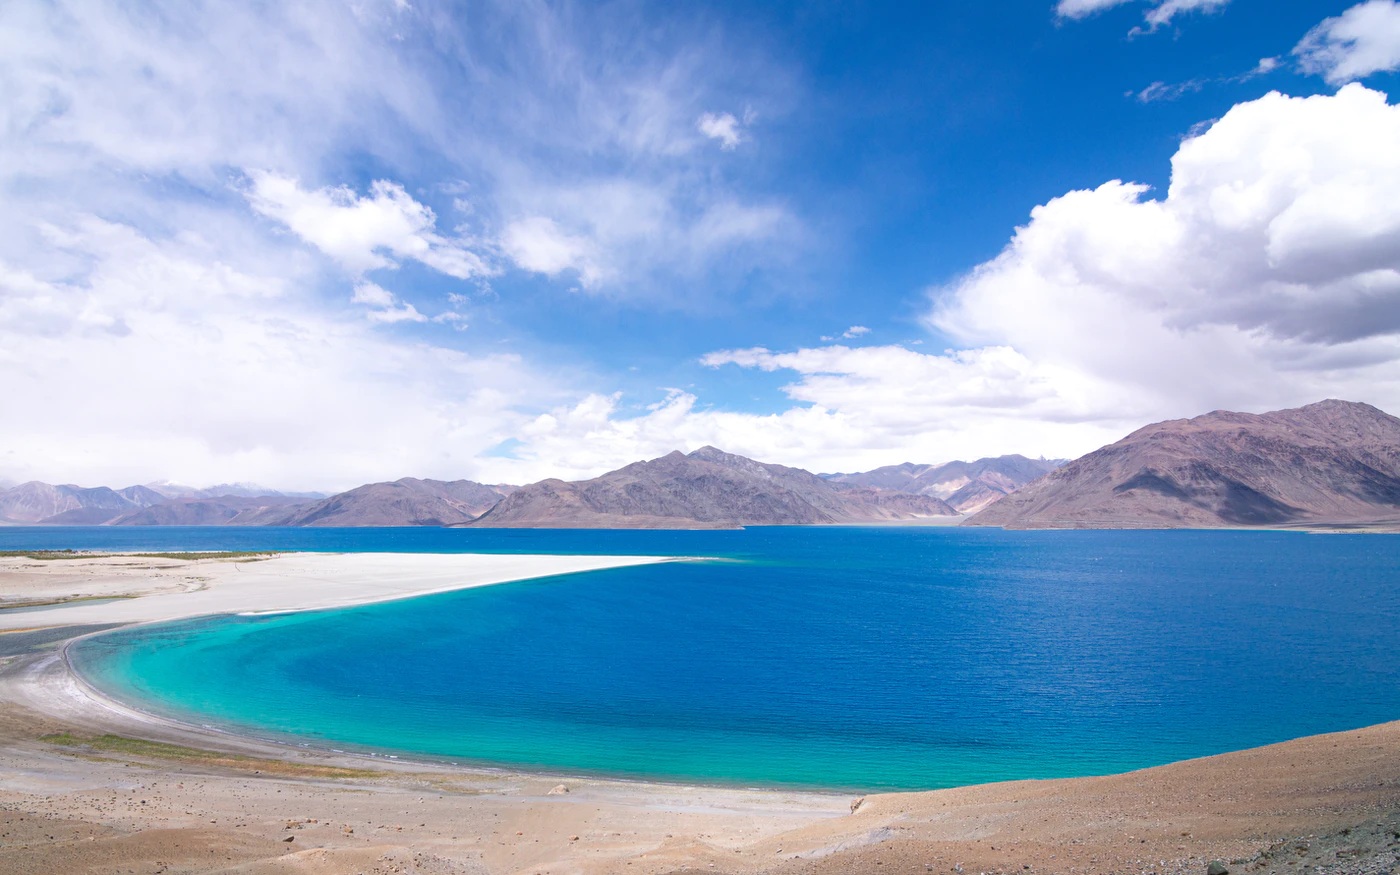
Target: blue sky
point(340, 242)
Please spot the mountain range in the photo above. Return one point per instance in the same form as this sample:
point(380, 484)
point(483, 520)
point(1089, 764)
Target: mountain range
point(966, 486)
point(1329, 464)
point(708, 488)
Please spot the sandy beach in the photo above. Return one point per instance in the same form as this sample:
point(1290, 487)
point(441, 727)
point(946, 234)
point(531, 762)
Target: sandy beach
point(88, 786)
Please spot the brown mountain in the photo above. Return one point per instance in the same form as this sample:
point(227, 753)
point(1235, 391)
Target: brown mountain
point(705, 489)
point(1334, 463)
point(36, 502)
point(229, 510)
point(967, 486)
point(406, 502)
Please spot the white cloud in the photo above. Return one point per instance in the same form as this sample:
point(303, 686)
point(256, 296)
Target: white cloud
point(723, 127)
point(203, 369)
point(384, 305)
point(855, 331)
point(1161, 13)
point(363, 233)
point(196, 87)
point(1084, 8)
point(1165, 91)
point(538, 244)
point(611, 233)
point(1269, 275)
point(1364, 39)
point(1165, 10)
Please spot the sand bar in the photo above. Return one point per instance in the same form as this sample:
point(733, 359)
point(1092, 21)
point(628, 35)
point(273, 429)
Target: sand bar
point(146, 590)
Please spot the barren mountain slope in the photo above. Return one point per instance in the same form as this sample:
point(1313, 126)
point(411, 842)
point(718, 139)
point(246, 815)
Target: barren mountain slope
point(1333, 462)
point(705, 489)
point(966, 486)
point(406, 502)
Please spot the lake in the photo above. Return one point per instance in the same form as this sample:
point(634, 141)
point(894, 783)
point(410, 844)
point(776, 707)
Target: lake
point(842, 658)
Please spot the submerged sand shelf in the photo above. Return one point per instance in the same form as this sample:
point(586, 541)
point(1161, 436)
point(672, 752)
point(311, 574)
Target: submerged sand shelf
point(79, 795)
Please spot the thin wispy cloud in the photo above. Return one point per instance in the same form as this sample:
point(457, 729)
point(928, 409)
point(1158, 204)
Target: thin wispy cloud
point(1162, 13)
point(1363, 40)
point(1172, 91)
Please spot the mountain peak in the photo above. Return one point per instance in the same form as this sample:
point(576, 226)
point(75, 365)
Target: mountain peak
point(708, 453)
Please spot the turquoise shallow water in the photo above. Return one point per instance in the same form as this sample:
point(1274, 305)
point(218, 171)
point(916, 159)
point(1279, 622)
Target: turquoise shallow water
point(846, 658)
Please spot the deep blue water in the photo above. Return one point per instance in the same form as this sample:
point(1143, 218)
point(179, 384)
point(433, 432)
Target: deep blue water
point(847, 657)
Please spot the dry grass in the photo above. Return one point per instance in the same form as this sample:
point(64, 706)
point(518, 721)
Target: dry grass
point(158, 750)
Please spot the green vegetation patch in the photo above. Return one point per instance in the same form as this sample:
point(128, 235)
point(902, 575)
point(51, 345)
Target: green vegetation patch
point(159, 750)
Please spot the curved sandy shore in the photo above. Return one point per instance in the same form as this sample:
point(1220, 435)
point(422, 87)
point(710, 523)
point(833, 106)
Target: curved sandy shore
point(77, 795)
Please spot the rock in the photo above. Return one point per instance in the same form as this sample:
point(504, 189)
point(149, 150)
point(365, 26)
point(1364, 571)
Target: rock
point(290, 839)
point(857, 803)
point(1216, 867)
point(559, 790)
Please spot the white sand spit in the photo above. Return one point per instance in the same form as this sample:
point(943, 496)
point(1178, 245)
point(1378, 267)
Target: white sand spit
point(166, 590)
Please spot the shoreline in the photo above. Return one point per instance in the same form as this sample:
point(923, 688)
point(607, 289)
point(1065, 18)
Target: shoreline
point(1232, 806)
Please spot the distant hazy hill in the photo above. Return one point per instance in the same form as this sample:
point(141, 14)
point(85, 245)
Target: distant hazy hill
point(406, 502)
point(34, 502)
point(705, 489)
point(224, 490)
point(966, 486)
point(229, 510)
point(153, 504)
point(1334, 462)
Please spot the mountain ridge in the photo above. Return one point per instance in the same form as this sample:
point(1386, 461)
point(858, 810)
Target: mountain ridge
point(966, 486)
point(707, 488)
point(1332, 463)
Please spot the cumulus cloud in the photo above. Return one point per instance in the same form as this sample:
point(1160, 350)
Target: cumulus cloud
point(1364, 39)
point(722, 127)
point(1269, 274)
point(855, 331)
point(363, 233)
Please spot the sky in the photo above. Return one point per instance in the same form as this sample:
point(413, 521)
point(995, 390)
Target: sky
point(316, 244)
